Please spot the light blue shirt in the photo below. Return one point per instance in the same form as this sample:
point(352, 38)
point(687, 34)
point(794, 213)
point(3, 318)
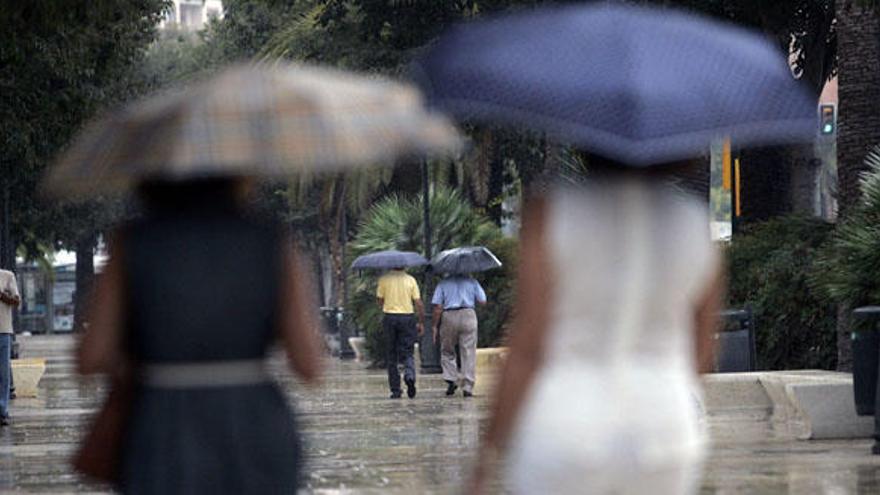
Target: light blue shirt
point(458, 291)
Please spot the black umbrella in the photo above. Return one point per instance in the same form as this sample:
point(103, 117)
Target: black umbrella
point(384, 260)
point(638, 85)
point(465, 260)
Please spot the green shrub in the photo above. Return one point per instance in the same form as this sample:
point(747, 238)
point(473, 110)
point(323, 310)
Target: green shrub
point(849, 269)
point(397, 223)
point(500, 292)
point(770, 265)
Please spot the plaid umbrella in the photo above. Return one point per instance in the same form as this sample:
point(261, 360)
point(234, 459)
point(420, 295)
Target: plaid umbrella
point(465, 260)
point(383, 260)
point(639, 85)
point(252, 121)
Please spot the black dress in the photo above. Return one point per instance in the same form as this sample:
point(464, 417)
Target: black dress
point(204, 287)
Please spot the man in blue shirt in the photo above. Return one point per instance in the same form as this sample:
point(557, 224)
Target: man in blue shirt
point(456, 323)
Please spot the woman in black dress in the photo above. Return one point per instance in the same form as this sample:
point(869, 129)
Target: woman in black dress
point(193, 296)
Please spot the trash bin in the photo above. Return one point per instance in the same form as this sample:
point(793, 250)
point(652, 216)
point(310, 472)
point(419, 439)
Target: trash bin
point(866, 358)
point(735, 350)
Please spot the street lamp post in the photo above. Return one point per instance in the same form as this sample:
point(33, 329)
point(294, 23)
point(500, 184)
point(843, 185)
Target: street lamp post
point(428, 348)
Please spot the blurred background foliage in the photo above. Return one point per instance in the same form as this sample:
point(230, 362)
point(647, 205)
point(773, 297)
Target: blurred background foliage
point(769, 267)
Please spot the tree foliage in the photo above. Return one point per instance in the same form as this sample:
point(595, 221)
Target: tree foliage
point(850, 266)
point(770, 265)
point(64, 63)
point(804, 28)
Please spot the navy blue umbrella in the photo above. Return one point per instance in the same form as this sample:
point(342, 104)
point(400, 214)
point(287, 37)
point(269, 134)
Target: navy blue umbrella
point(384, 260)
point(465, 260)
point(638, 85)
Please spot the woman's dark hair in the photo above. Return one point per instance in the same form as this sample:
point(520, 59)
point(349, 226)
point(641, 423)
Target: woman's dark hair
point(205, 194)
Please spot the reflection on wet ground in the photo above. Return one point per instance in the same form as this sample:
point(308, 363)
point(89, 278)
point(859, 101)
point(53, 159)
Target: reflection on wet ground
point(359, 441)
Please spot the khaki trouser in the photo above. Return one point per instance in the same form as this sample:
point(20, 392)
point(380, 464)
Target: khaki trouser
point(459, 326)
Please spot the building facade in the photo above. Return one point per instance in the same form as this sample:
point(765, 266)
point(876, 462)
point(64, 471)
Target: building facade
point(192, 15)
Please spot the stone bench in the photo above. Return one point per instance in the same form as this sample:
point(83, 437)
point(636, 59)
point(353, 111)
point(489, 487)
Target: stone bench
point(802, 404)
point(26, 374)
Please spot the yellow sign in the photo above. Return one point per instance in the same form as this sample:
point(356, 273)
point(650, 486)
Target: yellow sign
point(736, 184)
point(725, 165)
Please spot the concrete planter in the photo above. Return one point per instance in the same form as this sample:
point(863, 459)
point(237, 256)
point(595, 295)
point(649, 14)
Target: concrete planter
point(490, 359)
point(801, 404)
point(26, 374)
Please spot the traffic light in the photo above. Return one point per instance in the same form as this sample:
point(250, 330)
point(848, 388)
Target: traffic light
point(827, 119)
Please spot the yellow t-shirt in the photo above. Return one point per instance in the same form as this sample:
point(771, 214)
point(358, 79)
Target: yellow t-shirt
point(398, 289)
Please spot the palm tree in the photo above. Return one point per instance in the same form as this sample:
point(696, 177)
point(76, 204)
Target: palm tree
point(858, 27)
point(858, 32)
point(325, 204)
point(849, 267)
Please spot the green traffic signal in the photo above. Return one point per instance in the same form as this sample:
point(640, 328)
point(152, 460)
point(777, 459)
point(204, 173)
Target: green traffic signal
point(827, 117)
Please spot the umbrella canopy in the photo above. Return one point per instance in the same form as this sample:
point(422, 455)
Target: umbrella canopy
point(638, 85)
point(384, 260)
point(465, 260)
point(252, 121)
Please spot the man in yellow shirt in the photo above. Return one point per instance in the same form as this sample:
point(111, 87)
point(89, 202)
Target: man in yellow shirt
point(398, 294)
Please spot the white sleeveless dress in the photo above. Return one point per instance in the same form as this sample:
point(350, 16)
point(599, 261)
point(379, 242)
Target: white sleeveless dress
point(614, 407)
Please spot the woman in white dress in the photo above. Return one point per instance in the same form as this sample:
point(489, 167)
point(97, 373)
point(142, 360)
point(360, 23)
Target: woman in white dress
point(619, 288)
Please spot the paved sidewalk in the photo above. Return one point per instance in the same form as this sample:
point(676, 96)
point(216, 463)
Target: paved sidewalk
point(361, 442)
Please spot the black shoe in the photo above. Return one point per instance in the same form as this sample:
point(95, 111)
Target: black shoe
point(451, 388)
point(410, 388)
point(395, 395)
point(5, 421)
point(875, 449)
point(467, 394)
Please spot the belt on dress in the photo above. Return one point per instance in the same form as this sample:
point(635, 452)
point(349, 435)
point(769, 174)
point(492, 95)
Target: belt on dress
point(204, 374)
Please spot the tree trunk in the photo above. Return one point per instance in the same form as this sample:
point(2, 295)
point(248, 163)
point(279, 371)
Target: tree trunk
point(325, 273)
point(858, 129)
point(858, 33)
point(496, 182)
point(537, 180)
point(85, 278)
point(481, 169)
point(806, 180)
point(7, 246)
point(844, 343)
point(405, 180)
point(336, 238)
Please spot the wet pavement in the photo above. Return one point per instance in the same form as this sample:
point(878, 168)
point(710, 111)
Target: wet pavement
point(361, 442)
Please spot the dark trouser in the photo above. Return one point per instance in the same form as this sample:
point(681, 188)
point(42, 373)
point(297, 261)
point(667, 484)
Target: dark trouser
point(5, 372)
point(400, 336)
